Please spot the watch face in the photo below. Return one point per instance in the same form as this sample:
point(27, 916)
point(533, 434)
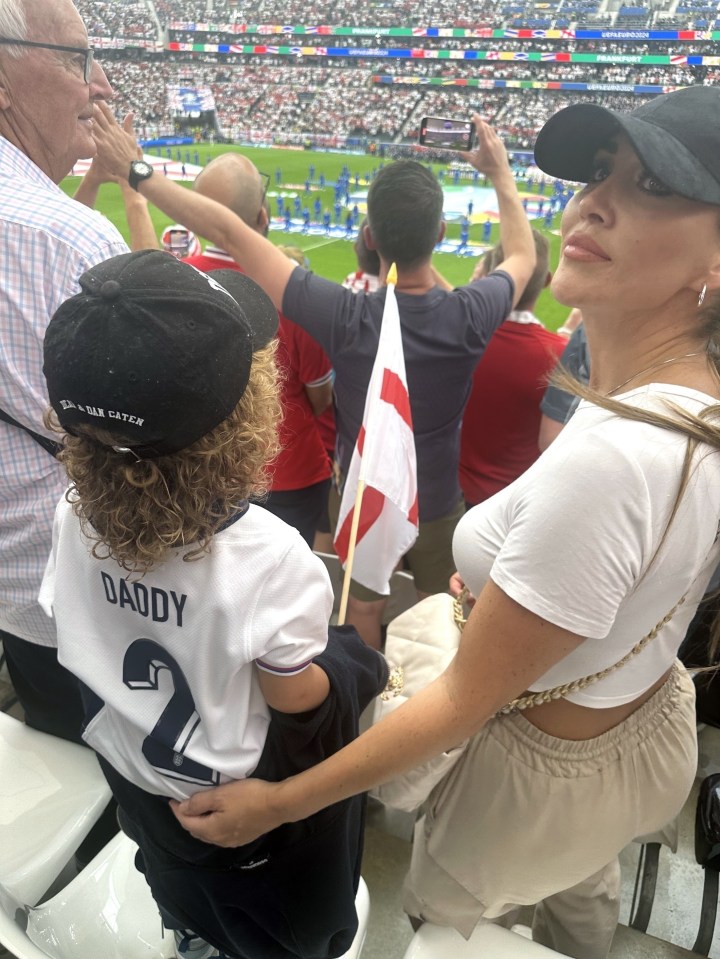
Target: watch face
point(141, 168)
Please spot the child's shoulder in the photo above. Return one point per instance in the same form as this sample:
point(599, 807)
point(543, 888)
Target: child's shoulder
point(262, 533)
point(257, 521)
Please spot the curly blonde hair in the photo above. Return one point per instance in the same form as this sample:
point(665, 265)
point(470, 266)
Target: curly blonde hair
point(135, 511)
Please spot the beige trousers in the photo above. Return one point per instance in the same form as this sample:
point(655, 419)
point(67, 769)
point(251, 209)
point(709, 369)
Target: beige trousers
point(528, 819)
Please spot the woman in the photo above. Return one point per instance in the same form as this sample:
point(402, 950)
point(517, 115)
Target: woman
point(609, 538)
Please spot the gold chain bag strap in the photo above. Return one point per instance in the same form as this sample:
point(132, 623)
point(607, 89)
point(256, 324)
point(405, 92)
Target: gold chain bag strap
point(421, 643)
point(396, 680)
point(559, 692)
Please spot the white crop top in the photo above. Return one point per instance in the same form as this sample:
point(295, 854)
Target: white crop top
point(572, 538)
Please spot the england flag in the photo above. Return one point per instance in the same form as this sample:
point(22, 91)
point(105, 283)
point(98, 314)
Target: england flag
point(378, 519)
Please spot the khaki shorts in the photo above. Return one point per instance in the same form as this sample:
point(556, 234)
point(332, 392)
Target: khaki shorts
point(430, 558)
point(524, 816)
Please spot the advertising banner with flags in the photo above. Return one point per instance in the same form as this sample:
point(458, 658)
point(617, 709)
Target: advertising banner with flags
point(378, 519)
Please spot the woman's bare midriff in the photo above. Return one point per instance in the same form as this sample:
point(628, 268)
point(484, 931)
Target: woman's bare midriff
point(566, 720)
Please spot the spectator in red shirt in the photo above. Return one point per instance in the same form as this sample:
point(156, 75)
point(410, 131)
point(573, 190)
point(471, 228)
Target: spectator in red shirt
point(502, 417)
point(301, 473)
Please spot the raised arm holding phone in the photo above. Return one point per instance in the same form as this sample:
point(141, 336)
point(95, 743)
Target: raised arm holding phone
point(260, 258)
point(444, 332)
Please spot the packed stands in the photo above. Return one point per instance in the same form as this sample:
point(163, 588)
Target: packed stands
point(133, 18)
point(385, 81)
point(118, 18)
point(349, 12)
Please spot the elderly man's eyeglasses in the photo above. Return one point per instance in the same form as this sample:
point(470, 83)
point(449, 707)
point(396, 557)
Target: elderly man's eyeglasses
point(87, 53)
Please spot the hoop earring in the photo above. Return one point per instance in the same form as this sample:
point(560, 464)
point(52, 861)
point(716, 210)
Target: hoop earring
point(701, 298)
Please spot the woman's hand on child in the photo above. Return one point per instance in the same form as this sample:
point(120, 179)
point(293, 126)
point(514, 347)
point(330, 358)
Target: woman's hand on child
point(230, 815)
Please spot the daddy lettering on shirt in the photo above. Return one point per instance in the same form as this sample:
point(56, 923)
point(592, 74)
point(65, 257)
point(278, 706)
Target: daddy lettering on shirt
point(103, 414)
point(151, 602)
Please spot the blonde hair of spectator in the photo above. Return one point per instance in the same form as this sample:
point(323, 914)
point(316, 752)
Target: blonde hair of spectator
point(541, 275)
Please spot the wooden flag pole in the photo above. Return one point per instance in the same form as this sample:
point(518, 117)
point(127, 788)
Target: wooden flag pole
point(351, 553)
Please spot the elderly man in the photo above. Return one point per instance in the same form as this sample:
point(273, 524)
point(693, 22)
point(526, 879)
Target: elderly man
point(48, 85)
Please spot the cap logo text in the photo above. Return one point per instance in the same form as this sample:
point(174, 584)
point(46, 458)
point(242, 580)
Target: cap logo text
point(103, 414)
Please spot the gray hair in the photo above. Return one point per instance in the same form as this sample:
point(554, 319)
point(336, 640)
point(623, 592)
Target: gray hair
point(13, 24)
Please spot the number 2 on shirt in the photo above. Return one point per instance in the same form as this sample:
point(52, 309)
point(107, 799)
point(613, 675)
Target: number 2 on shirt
point(165, 747)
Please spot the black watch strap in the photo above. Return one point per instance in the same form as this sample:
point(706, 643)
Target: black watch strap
point(139, 171)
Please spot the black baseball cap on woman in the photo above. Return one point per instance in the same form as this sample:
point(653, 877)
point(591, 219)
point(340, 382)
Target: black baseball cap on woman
point(676, 135)
point(154, 351)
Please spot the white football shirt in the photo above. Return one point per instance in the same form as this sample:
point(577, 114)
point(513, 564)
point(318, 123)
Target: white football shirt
point(170, 654)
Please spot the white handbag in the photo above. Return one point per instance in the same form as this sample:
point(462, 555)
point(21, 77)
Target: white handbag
point(420, 644)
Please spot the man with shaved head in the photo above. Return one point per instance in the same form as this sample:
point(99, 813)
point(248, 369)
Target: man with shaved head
point(49, 83)
point(301, 473)
point(234, 181)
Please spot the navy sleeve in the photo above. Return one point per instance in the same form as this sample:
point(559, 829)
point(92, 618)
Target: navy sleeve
point(322, 308)
point(488, 303)
point(557, 404)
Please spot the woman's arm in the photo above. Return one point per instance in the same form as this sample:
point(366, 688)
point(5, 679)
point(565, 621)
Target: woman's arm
point(504, 649)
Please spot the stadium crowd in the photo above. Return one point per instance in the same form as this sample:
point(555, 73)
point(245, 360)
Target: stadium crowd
point(436, 12)
point(347, 13)
point(271, 96)
point(132, 18)
point(118, 18)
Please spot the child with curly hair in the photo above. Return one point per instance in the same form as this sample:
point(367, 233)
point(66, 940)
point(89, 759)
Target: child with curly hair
point(196, 622)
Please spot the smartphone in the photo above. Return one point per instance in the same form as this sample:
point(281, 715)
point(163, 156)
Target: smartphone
point(447, 134)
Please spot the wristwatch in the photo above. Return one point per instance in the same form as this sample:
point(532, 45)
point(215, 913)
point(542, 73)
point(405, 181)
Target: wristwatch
point(139, 171)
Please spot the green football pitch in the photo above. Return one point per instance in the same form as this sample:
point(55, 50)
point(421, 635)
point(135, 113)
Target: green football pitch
point(329, 257)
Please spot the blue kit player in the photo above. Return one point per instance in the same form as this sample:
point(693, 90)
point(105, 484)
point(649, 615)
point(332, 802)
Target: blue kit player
point(464, 233)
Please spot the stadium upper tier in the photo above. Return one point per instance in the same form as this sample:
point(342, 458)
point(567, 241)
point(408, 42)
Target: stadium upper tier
point(135, 19)
point(287, 71)
point(281, 102)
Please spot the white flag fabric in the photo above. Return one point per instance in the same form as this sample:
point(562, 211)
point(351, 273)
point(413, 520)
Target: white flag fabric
point(384, 459)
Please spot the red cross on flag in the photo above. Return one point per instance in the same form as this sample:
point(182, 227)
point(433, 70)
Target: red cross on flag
point(378, 519)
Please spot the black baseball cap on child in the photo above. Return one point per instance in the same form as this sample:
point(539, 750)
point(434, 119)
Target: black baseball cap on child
point(154, 351)
point(676, 135)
